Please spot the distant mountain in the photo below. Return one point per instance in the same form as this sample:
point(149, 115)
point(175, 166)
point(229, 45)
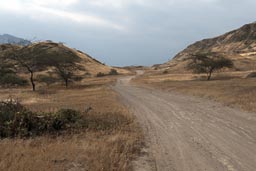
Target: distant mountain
point(9, 39)
point(238, 45)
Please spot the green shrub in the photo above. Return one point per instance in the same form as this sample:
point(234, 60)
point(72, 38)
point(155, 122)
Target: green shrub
point(65, 117)
point(17, 121)
point(12, 80)
point(113, 72)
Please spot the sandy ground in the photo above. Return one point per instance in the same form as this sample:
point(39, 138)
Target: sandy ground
point(185, 133)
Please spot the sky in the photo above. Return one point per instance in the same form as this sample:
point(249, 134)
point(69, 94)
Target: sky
point(124, 32)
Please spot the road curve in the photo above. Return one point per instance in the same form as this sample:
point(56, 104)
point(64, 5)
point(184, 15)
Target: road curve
point(191, 134)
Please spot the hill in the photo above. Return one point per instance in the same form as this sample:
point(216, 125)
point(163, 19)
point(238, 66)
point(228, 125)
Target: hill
point(91, 65)
point(238, 45)
point(9, 39)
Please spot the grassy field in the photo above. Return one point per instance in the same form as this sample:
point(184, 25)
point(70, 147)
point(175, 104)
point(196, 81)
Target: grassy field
point(228, 88)
point(111, 141)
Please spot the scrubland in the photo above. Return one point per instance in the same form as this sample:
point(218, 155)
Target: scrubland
point(110, 141)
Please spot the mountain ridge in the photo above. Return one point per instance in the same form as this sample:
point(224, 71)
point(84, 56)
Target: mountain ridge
point(10, 39)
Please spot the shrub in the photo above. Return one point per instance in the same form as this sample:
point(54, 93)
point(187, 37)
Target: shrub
point(65, 117)
point(12, 80)
point(113, 72)
point(165, 72)
point(251, 75)
point(17, 121)
point(100, 74)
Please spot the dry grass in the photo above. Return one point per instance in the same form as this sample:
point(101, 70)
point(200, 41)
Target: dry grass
point(228, 88)
point(111, 141)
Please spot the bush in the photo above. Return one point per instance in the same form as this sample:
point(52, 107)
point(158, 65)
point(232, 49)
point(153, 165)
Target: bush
point(165, 72)
point(17, 121)
point(65, 117)
point(113, 72)
point(12, 80)
point(100, 74)
point(251, 75)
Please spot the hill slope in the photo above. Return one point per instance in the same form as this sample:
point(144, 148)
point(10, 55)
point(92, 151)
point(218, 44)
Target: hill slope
point(91, 65)
point(238, 45)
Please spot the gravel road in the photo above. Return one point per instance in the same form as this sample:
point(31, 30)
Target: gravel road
point(185, 133)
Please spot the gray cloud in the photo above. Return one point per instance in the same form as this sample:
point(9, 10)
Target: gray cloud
point(125, 32)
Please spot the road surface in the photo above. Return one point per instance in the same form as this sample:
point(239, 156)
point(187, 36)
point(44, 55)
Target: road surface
point(190, 134)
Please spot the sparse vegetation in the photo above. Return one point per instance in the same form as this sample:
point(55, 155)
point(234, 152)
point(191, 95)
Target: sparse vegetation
point(251, 75)
point(16, 120)
point(165, 72)
point(113, 72)
point(100, 74)
point(208, 63)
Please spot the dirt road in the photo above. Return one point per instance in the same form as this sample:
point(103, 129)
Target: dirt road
point(190, 134)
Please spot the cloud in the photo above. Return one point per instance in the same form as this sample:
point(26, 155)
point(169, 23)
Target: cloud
point(136, 31)
point(55, 9)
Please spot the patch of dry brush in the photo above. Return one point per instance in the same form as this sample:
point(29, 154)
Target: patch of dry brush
point(110, 140)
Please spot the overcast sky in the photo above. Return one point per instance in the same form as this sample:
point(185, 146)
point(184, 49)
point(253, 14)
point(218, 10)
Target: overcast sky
point(125, 32)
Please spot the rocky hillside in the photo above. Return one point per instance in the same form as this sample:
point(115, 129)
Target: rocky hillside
point(91, 66)
point(9, 39)
point(238, 45)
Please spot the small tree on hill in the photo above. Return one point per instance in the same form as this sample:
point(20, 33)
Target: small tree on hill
point(66, 72)
point(32, 59)
point(208, 63)
point(66, 67)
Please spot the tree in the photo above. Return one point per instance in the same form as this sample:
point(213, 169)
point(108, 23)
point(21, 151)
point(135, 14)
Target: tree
point(113, 72)
point(66, 66)
point(32, 58)
point(208, 63)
